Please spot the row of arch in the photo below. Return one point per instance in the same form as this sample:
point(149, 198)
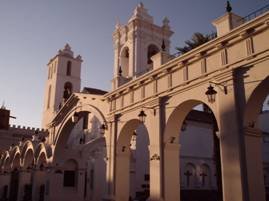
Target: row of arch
point(26, 155)
point(29, 154)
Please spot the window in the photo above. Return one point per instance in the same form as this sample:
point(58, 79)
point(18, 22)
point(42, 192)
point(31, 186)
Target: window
point(205, 176)
point(69, 178)
point(69, 68)
point(49, 94)
point(124, 60)
point(189, 175)
point(67, 90)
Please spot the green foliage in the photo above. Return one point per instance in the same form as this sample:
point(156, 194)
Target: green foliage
point(196, 40)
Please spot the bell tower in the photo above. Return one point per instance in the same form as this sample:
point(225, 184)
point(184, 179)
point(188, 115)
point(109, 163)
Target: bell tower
point(135, 44)
point(63, 79)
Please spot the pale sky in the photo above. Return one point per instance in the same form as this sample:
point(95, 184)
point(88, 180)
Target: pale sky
point(32, 31)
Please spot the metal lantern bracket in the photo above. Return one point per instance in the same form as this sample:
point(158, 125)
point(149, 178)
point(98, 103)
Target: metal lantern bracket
point(222, 86)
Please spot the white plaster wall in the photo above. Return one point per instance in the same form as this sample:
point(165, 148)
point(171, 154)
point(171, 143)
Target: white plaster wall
point(197, 140)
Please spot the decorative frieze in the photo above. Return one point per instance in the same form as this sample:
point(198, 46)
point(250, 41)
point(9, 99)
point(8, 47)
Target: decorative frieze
point(203, 66)
point(223, 55)
point(249, 46)
point(185, 73)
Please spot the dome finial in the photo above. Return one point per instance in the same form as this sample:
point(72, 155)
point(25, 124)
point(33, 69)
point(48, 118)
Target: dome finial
point(228, 7)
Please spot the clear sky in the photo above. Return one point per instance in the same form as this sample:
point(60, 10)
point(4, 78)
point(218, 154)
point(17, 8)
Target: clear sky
point(32, 31)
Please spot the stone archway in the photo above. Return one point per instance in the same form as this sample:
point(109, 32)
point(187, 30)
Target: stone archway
point(124, 166)
point(253, 141)
point(172, 146)
point(63, 151)
point(68, 124)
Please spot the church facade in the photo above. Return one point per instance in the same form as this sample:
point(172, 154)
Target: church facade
point(174, 127)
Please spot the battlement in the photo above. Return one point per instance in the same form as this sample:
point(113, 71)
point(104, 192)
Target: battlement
point(27, 130)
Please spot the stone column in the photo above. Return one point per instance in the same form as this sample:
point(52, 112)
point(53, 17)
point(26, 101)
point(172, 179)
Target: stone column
point(254, 162)
point(111, 137)
point(155, 168)
point(171, 172)
point(230, 146)
point(155, 128)
point(4, 184)
point(122, 182)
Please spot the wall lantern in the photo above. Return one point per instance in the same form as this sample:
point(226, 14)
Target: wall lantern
point(102, 129)
point(211, 94)
point(142, 116)
point(75, 117)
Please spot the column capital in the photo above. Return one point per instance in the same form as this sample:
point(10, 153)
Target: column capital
point(252, 132)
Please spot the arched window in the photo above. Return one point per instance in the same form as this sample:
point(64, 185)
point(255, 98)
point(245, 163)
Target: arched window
point(69, 68)
point(67, 90)
point(49, 94)
point(152, 50)
point(205, 176)
point(190, 175)
point(125, 62)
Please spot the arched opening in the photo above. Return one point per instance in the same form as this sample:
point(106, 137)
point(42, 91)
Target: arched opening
point(14, 179)
point(256, 137)
point(190, 142)
point(6, 164)
point(152, 50)
point(132, 162)
point(81, 135)
point(125, 62)
point(69, 68)
point(41, 157)
point(68, 89)
point(28, 161)
point(16, 163)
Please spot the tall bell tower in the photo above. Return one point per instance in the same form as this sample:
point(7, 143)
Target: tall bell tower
point(63, 79)
point(135, 44)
